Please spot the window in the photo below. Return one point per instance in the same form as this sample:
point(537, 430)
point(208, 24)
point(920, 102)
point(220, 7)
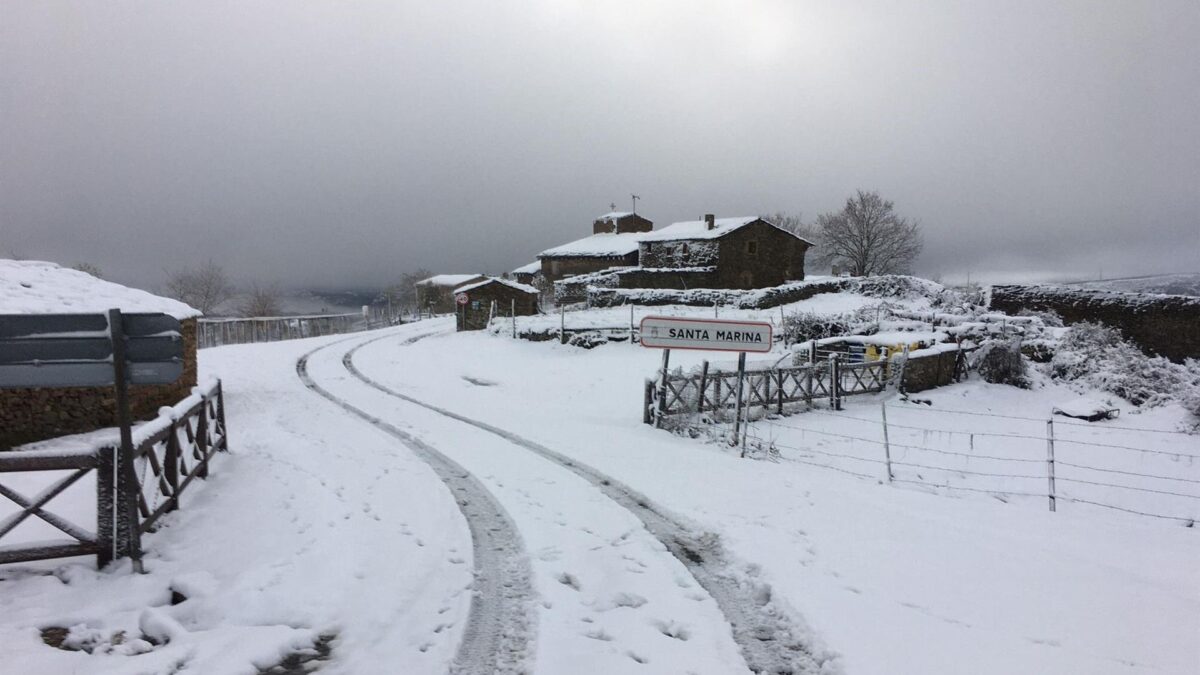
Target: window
point(752, 247)
point(685, 249)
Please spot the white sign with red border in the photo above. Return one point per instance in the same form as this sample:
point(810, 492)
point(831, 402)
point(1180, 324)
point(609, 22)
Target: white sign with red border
point(461, 298)
point(663, 332)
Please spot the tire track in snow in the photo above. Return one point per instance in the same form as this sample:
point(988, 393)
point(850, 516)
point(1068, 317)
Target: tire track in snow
point(770, 640)
point(498, 636)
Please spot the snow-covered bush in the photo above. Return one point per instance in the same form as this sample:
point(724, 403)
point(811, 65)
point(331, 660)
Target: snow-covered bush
point(1191, 403)
point(1098, 357)
point(1047, 317)
point(1001, 362)
point(803, 326)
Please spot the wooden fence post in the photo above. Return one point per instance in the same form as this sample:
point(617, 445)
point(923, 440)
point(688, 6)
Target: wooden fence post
point(562, 324)
point(1050, 460)
point(741, 382)
point(703, 387)
point(106, 517)
point(887, 447)
point(662, 390)
point(833, 381)
point(513, 313)
point(171, 467)
point(221, 416)
point(202, 439)
point(647, 402)
point(779, 392)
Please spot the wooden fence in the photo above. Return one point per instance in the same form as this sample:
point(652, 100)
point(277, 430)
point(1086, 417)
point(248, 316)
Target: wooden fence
point(217, 332)
point(770, 390)
point(133, 490)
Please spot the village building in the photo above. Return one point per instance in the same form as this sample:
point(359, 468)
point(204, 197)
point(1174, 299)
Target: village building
point(527, 274)
point(613, 243)
point(745, 252)
point(482, 300)
point(726, 253)
point(436, 294)
point(33, 287)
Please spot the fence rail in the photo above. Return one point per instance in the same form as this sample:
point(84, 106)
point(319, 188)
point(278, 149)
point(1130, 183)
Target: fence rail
point(771, 390)
point(132, 493)
point(217, 332)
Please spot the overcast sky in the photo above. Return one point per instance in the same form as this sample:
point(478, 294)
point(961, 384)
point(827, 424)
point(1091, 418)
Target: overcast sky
point(340, 144)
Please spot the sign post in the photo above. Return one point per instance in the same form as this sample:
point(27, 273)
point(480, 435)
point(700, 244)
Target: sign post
point(667, 333)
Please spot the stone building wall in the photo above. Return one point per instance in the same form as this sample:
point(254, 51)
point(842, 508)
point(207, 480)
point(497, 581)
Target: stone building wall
point(1163, 325)
point(555, 268)
point(475, 314)
point(776, 257)
point(28, 415)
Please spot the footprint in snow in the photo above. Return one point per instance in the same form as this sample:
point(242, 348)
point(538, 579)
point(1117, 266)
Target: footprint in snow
point(568, 579)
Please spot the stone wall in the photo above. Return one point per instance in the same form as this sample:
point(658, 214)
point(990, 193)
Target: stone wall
point(28, 415)
point(758, 256)
point(1163, 325)
point(937, 368)
point(559, 267)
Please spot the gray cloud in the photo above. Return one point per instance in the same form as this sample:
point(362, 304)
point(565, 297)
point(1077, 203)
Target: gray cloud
point(338, 144)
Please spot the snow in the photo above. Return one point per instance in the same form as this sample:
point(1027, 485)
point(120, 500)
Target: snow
point(698, 229)
point(36, 287)
point(511, 284)
point(532, 268)
point(452, 280)
point(615, 215)
point(325, 524)
point(598, 245)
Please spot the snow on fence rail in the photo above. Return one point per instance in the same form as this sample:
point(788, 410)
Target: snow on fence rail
point(131, 494)
point(217, 332)
point(1060, 464)
point(772, 390)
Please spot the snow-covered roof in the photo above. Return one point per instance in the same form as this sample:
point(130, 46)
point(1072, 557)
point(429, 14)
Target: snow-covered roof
point(615, 215)
point(532, 268)
point(598, 245)
point(36, 287)
point(698, 229)
point(520, 287)
point(449, 279)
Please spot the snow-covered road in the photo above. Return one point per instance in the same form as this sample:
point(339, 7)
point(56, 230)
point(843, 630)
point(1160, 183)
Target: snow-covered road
point(611, 593)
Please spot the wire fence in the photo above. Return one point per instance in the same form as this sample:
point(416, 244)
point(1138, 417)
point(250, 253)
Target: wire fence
point(1005, 456)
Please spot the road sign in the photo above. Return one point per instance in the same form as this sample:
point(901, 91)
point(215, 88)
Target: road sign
point(661, 332)
point(76, 350)
point(461, 298)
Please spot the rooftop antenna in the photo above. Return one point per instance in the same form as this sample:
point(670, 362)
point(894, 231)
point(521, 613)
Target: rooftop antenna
point(612, 206)
point(635, 198)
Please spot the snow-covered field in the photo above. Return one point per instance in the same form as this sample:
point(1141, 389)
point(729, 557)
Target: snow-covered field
point(327, 521)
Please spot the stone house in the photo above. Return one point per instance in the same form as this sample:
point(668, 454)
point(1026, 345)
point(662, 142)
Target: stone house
point(494, 297)
point(744, 252)
point(436, 294)
point(614, 243)
point(527, 274)
point(34, 287)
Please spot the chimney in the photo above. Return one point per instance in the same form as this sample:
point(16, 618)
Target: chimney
point(710, 221)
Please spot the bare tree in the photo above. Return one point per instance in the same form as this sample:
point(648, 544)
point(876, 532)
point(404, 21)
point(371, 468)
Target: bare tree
point(869, 237)
point(88, 268)
point(406, 288)
point(261, 300)
point(206, 288)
